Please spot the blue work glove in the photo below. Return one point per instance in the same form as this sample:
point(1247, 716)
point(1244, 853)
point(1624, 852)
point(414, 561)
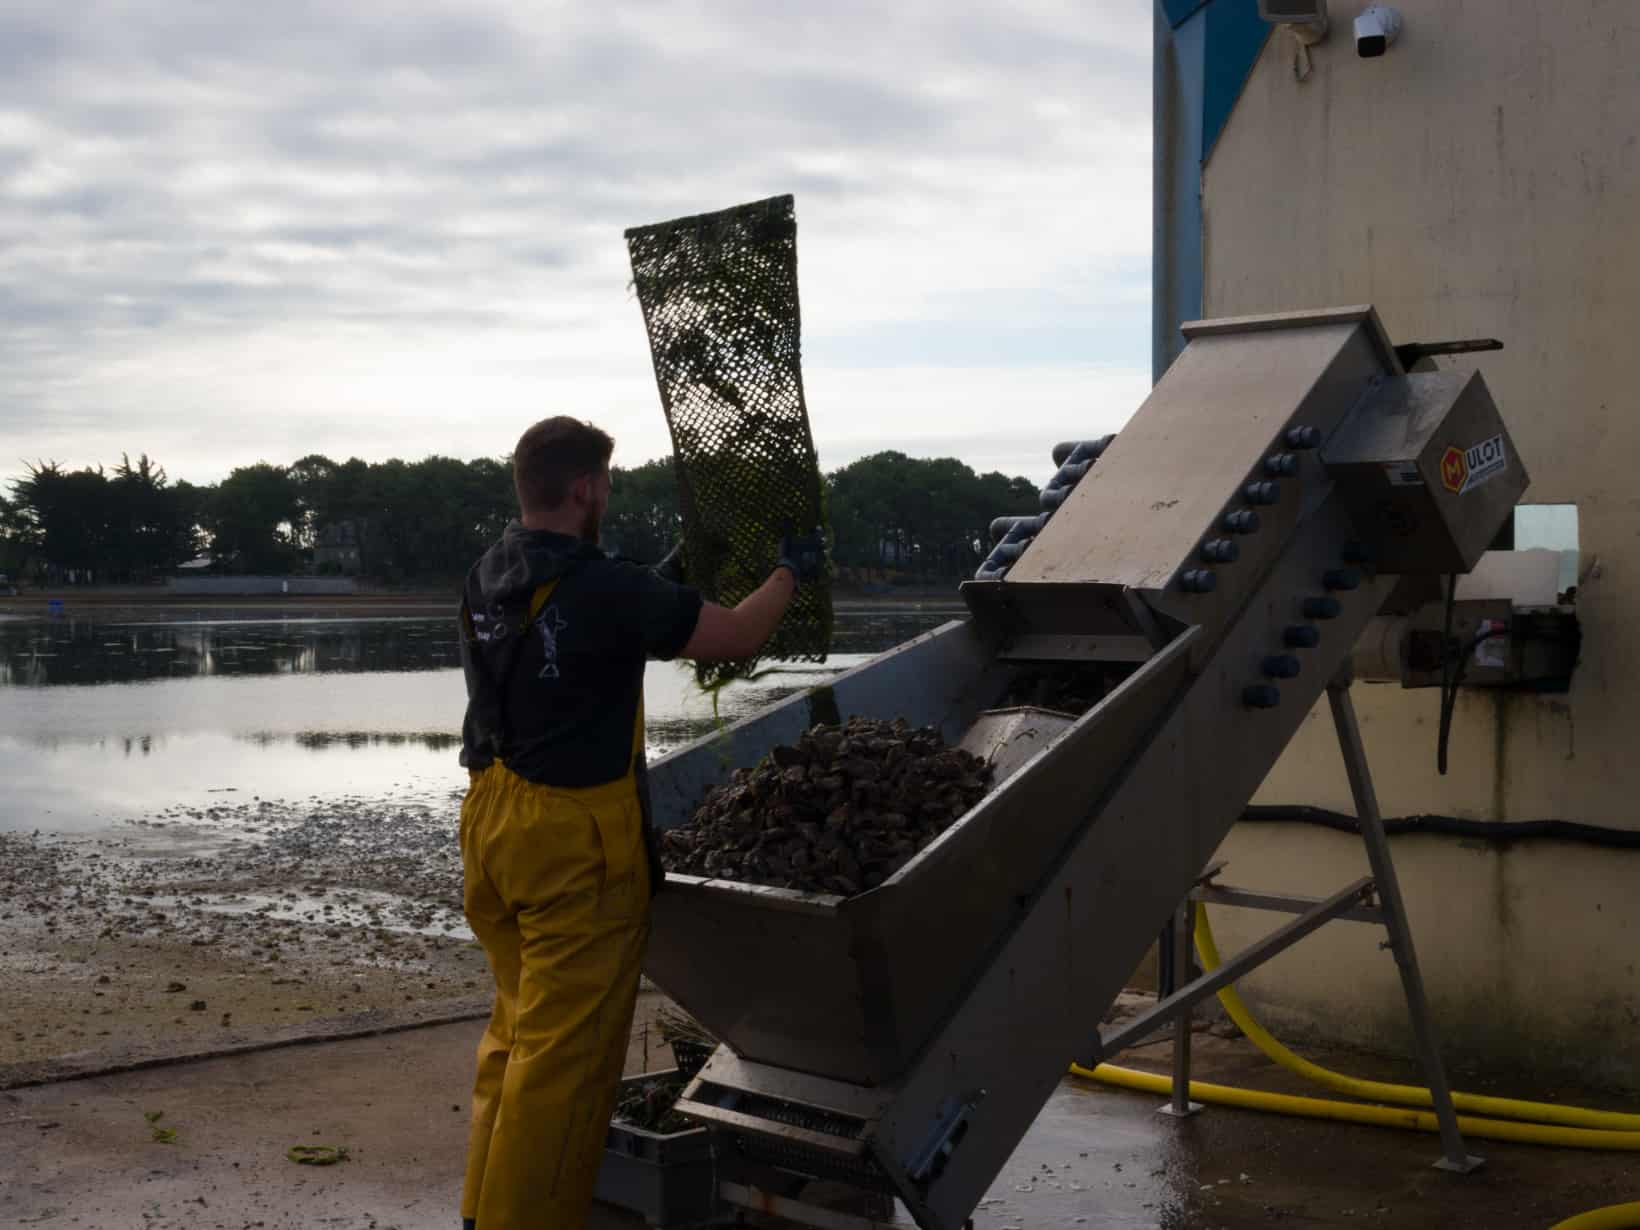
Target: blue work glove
point(805, 555)
point(671, 568)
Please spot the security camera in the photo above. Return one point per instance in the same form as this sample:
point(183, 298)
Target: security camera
point(1376, 29)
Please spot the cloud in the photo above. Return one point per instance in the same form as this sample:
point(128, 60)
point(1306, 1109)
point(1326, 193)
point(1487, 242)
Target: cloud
point(238, 231)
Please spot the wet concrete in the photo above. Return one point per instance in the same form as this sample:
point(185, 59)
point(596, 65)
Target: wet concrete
point(81, 1153)
point(1106, 1156)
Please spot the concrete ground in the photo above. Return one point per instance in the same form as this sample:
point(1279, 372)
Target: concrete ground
point(82, 1153)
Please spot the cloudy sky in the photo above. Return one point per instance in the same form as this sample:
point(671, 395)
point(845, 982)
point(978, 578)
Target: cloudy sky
point(233, 232)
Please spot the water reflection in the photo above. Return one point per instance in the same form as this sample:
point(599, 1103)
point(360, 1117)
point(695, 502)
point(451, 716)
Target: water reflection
point(43, 653)
point(40, 653)
point(126, 746)
point(872, 629)
point(321, 740)
point(278, 709)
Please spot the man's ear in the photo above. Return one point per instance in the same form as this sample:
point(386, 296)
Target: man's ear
point(580, 490)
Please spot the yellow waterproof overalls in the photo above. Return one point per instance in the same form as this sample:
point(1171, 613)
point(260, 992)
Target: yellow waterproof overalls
point(557, 892)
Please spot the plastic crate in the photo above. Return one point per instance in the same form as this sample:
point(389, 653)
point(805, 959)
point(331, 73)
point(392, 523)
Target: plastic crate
point(691, 1056)
point(670, 1180)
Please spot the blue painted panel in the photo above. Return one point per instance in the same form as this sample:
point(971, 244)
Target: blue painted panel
point(1235, 36)
point(1176, 242)
point(1180, 11)
point(1204, 51)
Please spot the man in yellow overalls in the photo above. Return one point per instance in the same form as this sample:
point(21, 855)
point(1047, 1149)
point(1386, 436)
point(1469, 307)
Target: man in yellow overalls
point(557, 858)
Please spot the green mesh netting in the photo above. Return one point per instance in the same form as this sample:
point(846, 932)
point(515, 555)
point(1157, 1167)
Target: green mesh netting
point(719, 297)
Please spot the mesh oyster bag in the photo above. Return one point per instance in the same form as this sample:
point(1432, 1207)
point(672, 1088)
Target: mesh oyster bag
point(719, 299)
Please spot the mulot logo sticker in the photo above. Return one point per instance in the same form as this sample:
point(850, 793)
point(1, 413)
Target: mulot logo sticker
point(1464, 469)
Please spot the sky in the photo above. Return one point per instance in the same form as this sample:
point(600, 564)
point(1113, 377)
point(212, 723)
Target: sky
point(239, 231)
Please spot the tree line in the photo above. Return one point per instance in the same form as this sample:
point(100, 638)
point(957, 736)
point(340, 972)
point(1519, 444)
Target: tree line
point(407, 523)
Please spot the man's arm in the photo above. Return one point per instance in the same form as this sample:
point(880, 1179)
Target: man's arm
point(725, 633)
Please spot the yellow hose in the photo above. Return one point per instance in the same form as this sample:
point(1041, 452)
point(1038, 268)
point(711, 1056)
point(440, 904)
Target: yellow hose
point(1612, 1217)
point(1545, 1123)
point(1352, 1112)
point(1403, 1095)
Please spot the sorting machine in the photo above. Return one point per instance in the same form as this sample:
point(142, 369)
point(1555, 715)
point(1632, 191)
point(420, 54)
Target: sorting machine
point(1281, 485)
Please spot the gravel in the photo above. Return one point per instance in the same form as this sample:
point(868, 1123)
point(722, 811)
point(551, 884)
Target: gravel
point(196, 928)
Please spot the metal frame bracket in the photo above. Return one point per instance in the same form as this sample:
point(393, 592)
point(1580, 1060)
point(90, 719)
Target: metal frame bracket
point(1371, 899)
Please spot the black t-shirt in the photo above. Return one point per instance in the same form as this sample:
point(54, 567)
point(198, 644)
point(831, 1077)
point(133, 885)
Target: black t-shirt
point(555, 695)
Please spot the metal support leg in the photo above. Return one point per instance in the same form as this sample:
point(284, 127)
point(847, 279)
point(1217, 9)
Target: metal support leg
point(1454, 1156)
point(1342, 904)
point(1183, 932)
point(1167, 981)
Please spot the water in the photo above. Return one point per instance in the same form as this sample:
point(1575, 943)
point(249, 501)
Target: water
point(104, 720)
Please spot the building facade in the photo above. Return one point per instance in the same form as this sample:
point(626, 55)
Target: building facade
point(1480, 179)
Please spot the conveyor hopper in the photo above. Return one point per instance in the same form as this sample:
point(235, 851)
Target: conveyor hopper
point(905, 1038)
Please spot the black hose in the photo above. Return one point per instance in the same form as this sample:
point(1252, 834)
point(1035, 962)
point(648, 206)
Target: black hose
point(1449, 693)
point(1502, 831)
point(1453, 666)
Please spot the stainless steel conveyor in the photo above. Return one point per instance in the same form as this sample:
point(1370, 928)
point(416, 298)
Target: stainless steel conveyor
point(1279, 484)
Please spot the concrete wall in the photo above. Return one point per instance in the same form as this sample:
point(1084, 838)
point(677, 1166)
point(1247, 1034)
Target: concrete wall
point(1482, 179)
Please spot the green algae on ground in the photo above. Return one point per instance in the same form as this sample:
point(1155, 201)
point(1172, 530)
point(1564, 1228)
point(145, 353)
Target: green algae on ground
point(317, 1155)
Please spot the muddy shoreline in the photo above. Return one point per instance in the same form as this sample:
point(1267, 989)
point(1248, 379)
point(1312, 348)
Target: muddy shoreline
point(153, 905)
point(199, 930)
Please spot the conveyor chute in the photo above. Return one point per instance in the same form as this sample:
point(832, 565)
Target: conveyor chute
point(906, 1038)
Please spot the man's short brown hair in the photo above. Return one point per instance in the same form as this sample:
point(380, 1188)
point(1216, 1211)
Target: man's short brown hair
point(553, 454)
